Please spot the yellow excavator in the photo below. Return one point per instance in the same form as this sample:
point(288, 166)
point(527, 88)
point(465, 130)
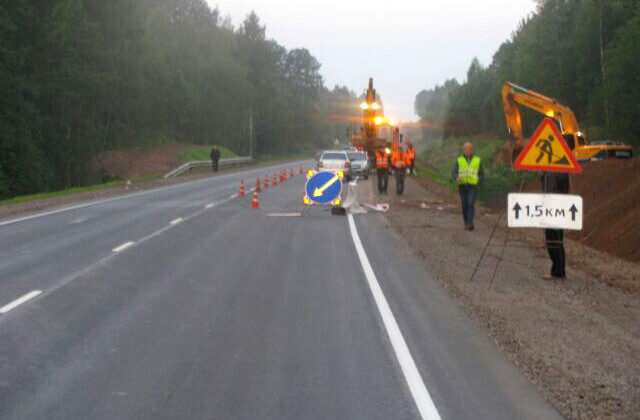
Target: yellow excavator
point(367, 139)
point(514, 96)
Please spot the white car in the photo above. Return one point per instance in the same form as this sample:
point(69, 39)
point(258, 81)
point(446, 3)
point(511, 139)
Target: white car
point(335, 161)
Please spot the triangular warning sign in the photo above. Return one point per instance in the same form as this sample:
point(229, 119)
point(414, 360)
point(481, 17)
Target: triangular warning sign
point(547, 151)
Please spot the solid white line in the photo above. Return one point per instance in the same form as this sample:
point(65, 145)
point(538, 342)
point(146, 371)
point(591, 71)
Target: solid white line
point(123, 246)
point(421, 396)
point(133, 195)
point(6, 308)
point(295, 214)
point(208, 206)
point(176, 221)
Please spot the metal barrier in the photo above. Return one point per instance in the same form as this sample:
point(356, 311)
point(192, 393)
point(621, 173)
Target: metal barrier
point(202, 163)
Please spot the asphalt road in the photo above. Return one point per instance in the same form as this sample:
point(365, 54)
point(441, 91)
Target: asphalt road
point(231, 313)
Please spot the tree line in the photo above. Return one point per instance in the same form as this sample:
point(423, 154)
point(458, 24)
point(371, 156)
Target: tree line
point(584, 53)
point(79, 77)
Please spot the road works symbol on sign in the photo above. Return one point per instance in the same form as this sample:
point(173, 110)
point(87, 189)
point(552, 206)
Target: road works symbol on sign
point(323, 188)
point(547, 151)
point(548, 211)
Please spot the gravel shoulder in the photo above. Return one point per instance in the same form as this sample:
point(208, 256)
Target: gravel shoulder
point(578, 340)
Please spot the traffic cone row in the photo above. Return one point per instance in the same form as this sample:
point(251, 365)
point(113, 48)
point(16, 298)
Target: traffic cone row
point(275, 180)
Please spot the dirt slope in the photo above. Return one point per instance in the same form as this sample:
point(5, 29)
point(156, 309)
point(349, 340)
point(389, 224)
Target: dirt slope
point(139, 163)
point(611, 194)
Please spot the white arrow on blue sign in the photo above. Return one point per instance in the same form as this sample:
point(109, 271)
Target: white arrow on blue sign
point(546, 211)
point(323, 188)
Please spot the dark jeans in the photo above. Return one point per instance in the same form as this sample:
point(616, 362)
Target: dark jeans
point(214, 165)
point(400, 173)
point(383, 180)
point(555, 247)
point(468, 194)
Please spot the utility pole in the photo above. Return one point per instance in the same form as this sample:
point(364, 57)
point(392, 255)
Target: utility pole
point(251, 132)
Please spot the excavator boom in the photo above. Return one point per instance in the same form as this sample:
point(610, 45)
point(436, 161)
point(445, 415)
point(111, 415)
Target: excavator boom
point(514, 96)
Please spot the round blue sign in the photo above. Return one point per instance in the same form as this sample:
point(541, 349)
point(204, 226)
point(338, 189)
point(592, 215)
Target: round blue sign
point(323, 187)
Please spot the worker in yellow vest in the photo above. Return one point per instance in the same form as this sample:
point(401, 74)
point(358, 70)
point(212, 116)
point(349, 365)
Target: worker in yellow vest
point(382, 170)
point(411, 152)
point(399, 161)
point(468, 173)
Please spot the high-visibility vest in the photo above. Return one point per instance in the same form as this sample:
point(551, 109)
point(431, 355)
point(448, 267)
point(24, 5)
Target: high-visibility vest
point(399, 159)
point(412, 153)
point(381, 161)
point(468, 171)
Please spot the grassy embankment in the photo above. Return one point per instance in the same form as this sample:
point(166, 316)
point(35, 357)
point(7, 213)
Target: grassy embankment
point(76, 190)
point(195, 153)
point(499, 178)
point(203, 153)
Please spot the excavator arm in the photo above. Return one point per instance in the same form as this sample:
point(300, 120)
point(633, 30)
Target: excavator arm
point(513, 96)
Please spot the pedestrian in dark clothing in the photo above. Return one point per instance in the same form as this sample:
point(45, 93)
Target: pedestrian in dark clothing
point(468, 173)
point(555, 183)
point(215, 158)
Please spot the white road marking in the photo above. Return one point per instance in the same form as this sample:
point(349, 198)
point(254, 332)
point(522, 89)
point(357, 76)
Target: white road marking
point(296, 214)
point(123, 246)
point(6, 308)
point(132, 195)
point(208, 206)
point(176, 221)
point(421, 396)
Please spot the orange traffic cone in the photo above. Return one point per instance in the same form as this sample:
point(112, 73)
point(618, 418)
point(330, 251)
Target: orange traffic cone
point(291, 173)
point(274, 181)
point(266, 182)
point(241, 190)
point(255, 204)
point(258, 184)
point(301, 170)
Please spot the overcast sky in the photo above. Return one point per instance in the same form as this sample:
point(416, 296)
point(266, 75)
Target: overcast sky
point(405, 45)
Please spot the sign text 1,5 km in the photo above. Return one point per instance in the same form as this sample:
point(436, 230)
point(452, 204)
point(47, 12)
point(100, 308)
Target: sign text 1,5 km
point(547, 211)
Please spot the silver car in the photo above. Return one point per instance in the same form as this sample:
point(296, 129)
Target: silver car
point(359, 164)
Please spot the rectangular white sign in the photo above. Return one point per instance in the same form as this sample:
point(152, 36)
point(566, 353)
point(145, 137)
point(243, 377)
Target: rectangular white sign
point(547, 211)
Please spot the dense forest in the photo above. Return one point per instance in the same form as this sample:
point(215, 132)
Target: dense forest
point(585, 53)
point(79, 77)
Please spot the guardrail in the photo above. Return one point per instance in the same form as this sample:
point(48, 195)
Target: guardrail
point(202, 163)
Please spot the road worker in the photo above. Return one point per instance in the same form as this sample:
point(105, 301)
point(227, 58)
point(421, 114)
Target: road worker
point(215, 158)
point(400, 161)
point(382, 170)
point(411, 152)
point(555, 183)
point(468, 173)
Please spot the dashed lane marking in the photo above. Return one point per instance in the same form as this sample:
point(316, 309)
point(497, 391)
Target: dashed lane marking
point(12, 305)
point(122, 247)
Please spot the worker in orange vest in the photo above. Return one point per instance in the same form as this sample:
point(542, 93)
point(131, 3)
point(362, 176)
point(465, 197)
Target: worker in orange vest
point(411, 152)
point(400, 160)
point(382, 170)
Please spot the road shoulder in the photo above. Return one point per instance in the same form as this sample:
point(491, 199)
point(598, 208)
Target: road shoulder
point(578, 341)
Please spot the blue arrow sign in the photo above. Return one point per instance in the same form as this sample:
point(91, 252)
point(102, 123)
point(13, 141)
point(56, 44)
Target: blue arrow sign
point(323, 187)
